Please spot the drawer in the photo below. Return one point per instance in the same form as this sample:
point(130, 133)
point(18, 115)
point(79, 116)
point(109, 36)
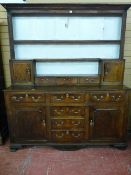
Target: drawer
point(89, 80)
point(67, 123)
point(107, 97)
point(67, 111)
point(117, 97)
point(41, 81)
point(68, 97)
point(66, 81)
point(68, 136)
point(27, 97)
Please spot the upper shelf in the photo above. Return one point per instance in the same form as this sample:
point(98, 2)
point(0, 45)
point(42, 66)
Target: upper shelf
point(67, 28)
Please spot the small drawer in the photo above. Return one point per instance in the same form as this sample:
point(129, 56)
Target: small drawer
point(107, 97)
point(117, 97)
point(66, 81)
point(67, 123)
point(89, 80)
point(41, 81)
point(67, 111)
point(27, 98)
point(99, 97)
point(63, 98)
point(68, 136)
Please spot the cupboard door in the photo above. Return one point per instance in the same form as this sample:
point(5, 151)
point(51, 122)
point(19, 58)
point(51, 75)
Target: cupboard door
point(21, 72)
point(106, 123)
point(112, 72)
point(28, 123)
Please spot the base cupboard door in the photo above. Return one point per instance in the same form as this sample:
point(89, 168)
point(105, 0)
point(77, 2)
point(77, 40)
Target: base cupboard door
point(28, 123)
point(106, 123)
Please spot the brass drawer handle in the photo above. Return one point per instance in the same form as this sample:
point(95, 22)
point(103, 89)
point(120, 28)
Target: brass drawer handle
point(58, 111)
point(59, 98)
point(76, 135)
point(98, 98)
point(35, 99)
point(76, 123)
point(14, 98)
point(67, 79)
point(76, 112)
point(60, 123)
point(115, 98)
point(75, 98)
point(44, 79)
point(59, 135)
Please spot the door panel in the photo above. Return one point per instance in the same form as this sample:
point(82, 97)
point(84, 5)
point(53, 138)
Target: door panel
point(112, 72)
point(29, 123)
point(106, 123)
point(21, 72)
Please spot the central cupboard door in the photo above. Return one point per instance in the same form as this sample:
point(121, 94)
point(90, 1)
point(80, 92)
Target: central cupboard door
point(106, 123)
point(29, 123)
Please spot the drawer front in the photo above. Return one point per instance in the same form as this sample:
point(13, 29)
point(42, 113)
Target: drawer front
point(89, 80)
point(68, 136)
point(41, 81)
point(66, 81)
point(27, 97)
point(67, 111)
point(55, 81)
point(67, 123)
point(68, 97)
point(107, 97)
point(117, 97)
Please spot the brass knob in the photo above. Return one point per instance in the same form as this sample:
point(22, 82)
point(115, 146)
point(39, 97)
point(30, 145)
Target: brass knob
point(67, 132)
point(91, 123)
point(67, 95)
point(43, 122)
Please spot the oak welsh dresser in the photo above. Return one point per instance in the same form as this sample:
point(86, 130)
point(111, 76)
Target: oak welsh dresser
point(67, 71)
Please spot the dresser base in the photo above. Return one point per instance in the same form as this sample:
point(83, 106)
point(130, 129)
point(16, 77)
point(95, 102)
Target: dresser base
point(69, 147)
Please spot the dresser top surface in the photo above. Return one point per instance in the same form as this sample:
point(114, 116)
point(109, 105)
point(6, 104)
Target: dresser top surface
point(67, 88)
